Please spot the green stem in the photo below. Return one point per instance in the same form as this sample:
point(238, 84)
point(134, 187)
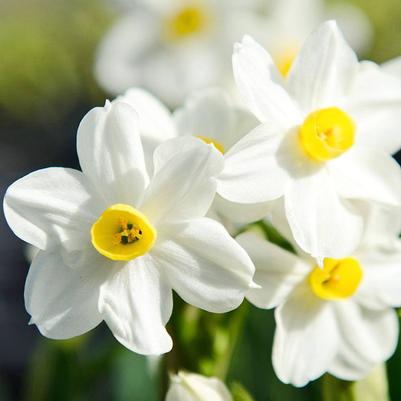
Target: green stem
point(236, 324)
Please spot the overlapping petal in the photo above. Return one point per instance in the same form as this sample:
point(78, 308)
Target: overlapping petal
point(278, 271)
point(136, 303)
point(253, 171)
point(205, 265)
point(322, 223)
point(185, 186)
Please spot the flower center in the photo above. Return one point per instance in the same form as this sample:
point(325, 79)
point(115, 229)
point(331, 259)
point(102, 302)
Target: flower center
point(186, 22)
point(213, 142)
point(122, 233)
point(339, 278)
point(327, 133)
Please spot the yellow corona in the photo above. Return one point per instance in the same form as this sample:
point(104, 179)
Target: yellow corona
point(327, 134)
point(122, 233)
point(338, 279)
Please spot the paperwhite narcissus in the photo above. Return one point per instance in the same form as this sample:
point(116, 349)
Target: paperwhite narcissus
point(289, 23)
point(114, 242)
point(209, 116)
point(193, 387)
point(314, 146)
point(173, 47)
point(339, 318)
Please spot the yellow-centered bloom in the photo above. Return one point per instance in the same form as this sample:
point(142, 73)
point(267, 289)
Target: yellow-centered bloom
point(327, 133)
point(122, 233)
point(339, 278)
point(186, 22)
point(213, 142)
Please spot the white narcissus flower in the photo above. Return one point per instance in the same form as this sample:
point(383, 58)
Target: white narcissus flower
point(290, 22)
point(193, 387)
point(339, 318)
point(325, 138)
point(208, 115)
point(114, 242)
point(173, 47)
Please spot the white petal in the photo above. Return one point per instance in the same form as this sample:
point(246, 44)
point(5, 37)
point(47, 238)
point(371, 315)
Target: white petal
point(185, 186)
point(382, 226)
point(277, 271)
point(205, 265)
point(192, 387)
point(63, 300)
point(254, 171)
point(322, 223)
point(156, 124)
point(296, 18)
point(155, 120)
point(173, 72)
point(306, 338)
point(52, 205)
point(207, 113)
point(136, 304)
point(375, 105)
point(324, 69)
point(367, 339)
point(260, 84)
point(393, 67)
point(110, 152)
point(367, 174)
point(119, 61)
point(381, 285)
point(240, 213)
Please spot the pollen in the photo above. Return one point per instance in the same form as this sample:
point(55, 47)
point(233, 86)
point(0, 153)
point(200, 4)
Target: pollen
point(327, 134)
point(213, 142)
point(186, 22)
point(122, 233)
point(338, 279)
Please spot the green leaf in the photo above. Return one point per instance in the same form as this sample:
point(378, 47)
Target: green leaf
point(135, 377)
point(240, 393)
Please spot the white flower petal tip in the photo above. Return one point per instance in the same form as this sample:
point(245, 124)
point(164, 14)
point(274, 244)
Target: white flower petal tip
point(193, 387)
point(254, 286)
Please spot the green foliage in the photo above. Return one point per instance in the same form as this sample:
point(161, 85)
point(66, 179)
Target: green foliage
point(239, 392)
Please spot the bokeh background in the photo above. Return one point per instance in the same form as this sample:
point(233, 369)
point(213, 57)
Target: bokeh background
point(47, 52)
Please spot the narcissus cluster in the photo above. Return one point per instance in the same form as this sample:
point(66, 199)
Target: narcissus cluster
point(162, 197)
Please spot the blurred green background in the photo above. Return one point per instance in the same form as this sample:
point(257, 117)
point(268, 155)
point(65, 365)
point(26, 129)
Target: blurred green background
point(46, 86)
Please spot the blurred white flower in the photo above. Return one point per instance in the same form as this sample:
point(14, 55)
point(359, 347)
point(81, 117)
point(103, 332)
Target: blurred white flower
point(208, 115)
point(193, 387)
point(114, 243)
point(326, 137)
point(291, 21)
point(173, 47)
point(339, 318)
